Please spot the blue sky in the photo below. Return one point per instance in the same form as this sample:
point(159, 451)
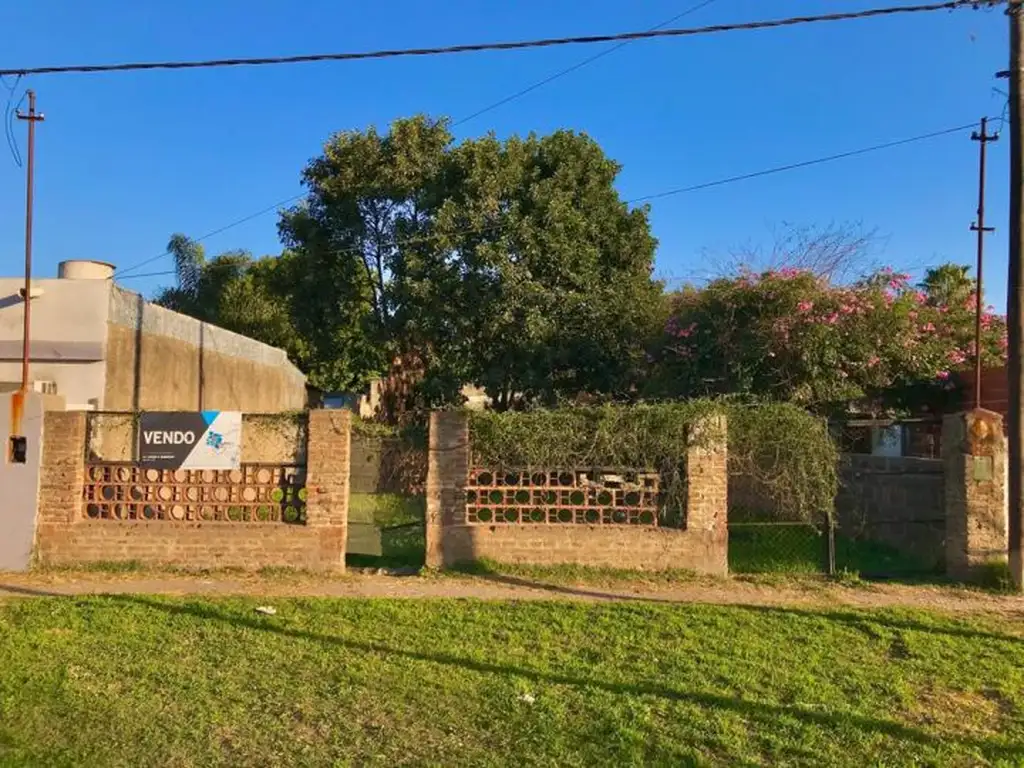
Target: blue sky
point(125, 160)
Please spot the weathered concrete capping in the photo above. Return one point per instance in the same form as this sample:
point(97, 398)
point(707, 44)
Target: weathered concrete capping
point(974, 463)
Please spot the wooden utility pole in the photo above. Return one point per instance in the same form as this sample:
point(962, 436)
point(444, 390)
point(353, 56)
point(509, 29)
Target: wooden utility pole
point(32, 118)
point(983, 138)
point(1014, 305)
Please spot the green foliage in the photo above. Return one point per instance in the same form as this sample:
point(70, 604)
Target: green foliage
point(879, 344)
point(637, 437)
point(414, 434)
point(787, 455)
point(785, 451)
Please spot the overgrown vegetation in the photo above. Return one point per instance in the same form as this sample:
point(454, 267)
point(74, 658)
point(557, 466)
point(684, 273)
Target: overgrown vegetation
point(131, 680)
point(784, 451)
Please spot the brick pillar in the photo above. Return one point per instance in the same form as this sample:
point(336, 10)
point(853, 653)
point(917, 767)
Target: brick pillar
point(327, 479)
point(707, 488)
point(62, 475)
point(974, 467)
point(447, 470)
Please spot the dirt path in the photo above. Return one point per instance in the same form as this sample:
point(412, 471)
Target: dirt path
point(725, 592)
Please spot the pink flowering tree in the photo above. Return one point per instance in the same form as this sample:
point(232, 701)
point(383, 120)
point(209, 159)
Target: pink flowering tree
point(881, 344)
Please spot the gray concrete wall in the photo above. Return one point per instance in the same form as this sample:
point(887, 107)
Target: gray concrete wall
point(161, 360)
point(68, 333)
point(19, 484)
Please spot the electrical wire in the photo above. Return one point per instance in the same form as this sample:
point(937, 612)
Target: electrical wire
point(10, 113)
point(225, 228)
point(641, 199)
point(802, 164)
point(949, 5)
point(574, 67)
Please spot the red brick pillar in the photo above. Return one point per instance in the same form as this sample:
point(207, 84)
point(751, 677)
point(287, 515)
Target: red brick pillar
point(327, 480)
point(447, 470)
point(62, 475)
point(61, 481)
point(707, 489)
point(974, 468)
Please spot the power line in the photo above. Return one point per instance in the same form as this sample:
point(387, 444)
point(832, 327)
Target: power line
point(208, 235)
point(802, 164)
point(466, 119)
point(949, 5)
point(643, 198)
point(574, 67)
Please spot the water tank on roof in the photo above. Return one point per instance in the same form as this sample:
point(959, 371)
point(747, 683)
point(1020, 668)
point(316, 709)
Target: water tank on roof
point(81, 269)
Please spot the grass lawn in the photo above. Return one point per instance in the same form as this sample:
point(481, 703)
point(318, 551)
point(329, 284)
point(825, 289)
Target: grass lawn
point(136, 681)
point(798, 548)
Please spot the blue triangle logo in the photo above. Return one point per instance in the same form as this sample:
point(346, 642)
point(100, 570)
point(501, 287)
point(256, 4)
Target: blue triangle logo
point(209, 416)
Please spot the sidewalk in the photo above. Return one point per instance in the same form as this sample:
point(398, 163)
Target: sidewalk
point(736, 591)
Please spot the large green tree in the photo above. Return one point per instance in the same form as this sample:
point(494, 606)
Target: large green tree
point(512, 264)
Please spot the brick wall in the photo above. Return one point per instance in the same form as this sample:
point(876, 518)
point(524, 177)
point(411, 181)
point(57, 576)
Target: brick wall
point(64, 537)
point(702, 546)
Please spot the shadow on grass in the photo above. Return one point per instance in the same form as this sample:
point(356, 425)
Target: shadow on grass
point(764, 712)
point(484, 571)
point(868, 623)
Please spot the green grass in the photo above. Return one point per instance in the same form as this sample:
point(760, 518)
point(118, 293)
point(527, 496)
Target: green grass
point(802, 549)
point(573, 574)
point(129, 681)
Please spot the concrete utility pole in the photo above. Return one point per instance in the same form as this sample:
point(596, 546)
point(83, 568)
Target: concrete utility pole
point(1014, 305)
point(32, 118)
point(983, 138)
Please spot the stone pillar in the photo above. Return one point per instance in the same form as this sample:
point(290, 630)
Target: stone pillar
point(62, 476)
point(447, 470)
point(707, 488)
point(974, 467)
point(327, 477)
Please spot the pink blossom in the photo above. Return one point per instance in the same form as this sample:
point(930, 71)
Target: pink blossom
point(832, 319)
point(846, 309)
point(873, 361)
point(919, 296)
point(957, 356)
point(928, 327)
point(683, 333)
point(942, 375)
point(805, 306)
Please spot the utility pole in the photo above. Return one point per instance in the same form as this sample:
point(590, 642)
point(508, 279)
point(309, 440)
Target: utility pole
point(983, 138)
point(32, 117)
point(1014, 299)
